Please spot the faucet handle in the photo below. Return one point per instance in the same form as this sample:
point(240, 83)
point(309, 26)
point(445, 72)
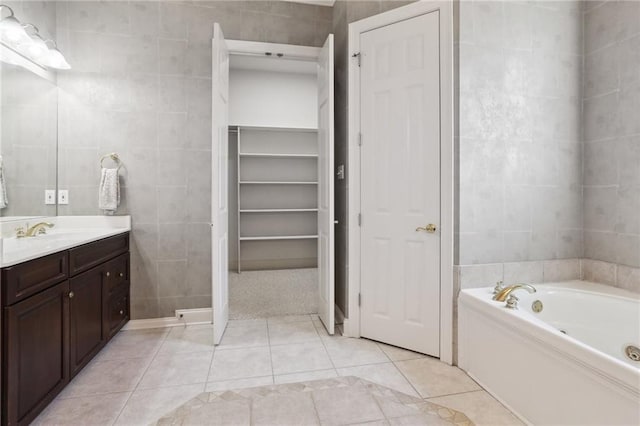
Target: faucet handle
point(512, 302)
point(499, 287)
point(20, 232)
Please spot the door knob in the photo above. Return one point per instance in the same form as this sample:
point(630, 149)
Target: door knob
point(71, 294)
point(430, 228)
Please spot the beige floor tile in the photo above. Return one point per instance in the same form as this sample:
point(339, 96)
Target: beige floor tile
point(179, 369)
point(480, 407)
point(398, 354)
point(346, 406)
point(348, 352)
point(418, 420)
point(239, 383)
point(288, 318)
point(197, 338)
point(299, 357)
point(246, 322)
point(292, 332)
point(289, 409)
point(230, 364)
point(148, 405)
point(133, 344)
point(100, 377)
point(90, 410)
point(383, 374)
point(432, 377)
point(245, 336)
point(223, 413)
point(306, 376)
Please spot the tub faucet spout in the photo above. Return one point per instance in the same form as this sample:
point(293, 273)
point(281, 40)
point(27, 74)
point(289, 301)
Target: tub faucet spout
point(502, 296)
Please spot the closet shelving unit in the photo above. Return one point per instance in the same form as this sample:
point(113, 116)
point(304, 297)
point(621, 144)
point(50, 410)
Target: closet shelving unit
point(277, 172)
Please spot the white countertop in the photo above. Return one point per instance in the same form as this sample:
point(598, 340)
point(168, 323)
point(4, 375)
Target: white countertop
point(68, 232)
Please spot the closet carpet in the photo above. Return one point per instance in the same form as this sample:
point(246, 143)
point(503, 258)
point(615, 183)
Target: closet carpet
point(260, 294)
point(340, 401)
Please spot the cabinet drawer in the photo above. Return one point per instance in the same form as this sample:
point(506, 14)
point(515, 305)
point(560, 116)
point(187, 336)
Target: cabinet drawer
point(118, 310)
point(116, 272)
point(26, 279)
point(89, 255)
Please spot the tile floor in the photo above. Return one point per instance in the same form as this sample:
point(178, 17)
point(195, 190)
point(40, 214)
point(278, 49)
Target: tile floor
point(142, 375)
point(338, 401)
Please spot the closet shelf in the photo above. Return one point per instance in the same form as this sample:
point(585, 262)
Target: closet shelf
point(277, 210)
point(280, 237)
point(267, 155)
point(257, 182)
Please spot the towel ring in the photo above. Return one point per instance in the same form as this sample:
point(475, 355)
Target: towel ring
point(113, 156)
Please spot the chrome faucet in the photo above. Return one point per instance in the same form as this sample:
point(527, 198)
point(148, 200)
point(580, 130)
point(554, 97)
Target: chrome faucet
point(32, 231)
point(503, 294)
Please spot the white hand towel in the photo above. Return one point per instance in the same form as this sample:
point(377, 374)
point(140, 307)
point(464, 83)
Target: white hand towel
point(109, 196)
point(4, 201)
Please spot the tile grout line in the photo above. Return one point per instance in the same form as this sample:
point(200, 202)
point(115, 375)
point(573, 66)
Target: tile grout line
point(273, 381)
point(407, 379)
point(155, 355)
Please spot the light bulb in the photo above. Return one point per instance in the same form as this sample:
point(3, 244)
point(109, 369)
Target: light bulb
point(12, 31)
point(35, 48)
point(55, 59)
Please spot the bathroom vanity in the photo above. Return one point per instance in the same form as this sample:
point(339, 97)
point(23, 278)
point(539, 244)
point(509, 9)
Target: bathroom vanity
point(59, 311)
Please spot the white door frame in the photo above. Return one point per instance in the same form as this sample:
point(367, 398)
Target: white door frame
point(352, 326)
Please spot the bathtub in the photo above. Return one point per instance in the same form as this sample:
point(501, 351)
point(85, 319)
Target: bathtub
point(563, 365)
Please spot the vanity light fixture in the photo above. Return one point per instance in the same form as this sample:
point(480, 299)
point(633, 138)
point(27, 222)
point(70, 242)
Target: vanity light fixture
point(34, 48)
point(26, 39)
point(11, 30)
point(55, 59)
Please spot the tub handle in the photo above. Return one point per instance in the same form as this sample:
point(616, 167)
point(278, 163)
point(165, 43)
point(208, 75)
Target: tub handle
point(512, 302)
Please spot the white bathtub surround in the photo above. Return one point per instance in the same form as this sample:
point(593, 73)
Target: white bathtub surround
point(485, 275)
point(67, 232)
point(543, 375)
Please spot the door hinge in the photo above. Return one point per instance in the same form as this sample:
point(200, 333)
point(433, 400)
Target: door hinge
point(359, 299)
point(359, 219)
point(358, 57)
point(359, 139)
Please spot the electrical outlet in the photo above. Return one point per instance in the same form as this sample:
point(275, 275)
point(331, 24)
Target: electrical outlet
point(49, 196)
point(63, 196)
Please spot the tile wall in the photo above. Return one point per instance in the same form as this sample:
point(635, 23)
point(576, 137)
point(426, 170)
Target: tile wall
point(611, 101)
point(518, 139)
point(140, 86)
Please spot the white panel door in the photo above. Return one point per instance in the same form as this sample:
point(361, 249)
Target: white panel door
point(326, 294)
point(219, 184)
point(400, 184)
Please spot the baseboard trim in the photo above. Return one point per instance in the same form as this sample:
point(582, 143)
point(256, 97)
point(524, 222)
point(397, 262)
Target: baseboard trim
point(183, 317)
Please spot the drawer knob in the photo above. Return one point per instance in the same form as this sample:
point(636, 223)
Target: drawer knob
point(71, 294)
point(108, 274)
point(121, 312)
point(121, 274)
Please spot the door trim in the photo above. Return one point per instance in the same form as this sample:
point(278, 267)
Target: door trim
point(352, 327)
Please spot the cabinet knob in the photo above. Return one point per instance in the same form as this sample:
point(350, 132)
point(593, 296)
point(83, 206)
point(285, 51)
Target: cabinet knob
point(121, 312)
point(121, 274)
point(71, 294)
point(108, 274)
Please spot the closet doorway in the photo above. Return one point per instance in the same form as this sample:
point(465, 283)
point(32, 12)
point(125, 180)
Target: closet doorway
point(400, 154)
point(272, 179)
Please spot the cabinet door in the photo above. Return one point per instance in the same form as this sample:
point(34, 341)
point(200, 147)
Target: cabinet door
point(86, 313)
point(36, 366)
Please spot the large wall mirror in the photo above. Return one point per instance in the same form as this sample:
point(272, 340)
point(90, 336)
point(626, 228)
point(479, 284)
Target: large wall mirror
point(28, 142)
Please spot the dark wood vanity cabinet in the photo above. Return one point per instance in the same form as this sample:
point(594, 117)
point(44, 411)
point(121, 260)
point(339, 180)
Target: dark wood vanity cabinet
point(58, 312)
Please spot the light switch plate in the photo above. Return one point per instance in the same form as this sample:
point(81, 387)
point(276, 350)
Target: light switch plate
point(49, 196)
point(63, 196)
point(340, 172)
